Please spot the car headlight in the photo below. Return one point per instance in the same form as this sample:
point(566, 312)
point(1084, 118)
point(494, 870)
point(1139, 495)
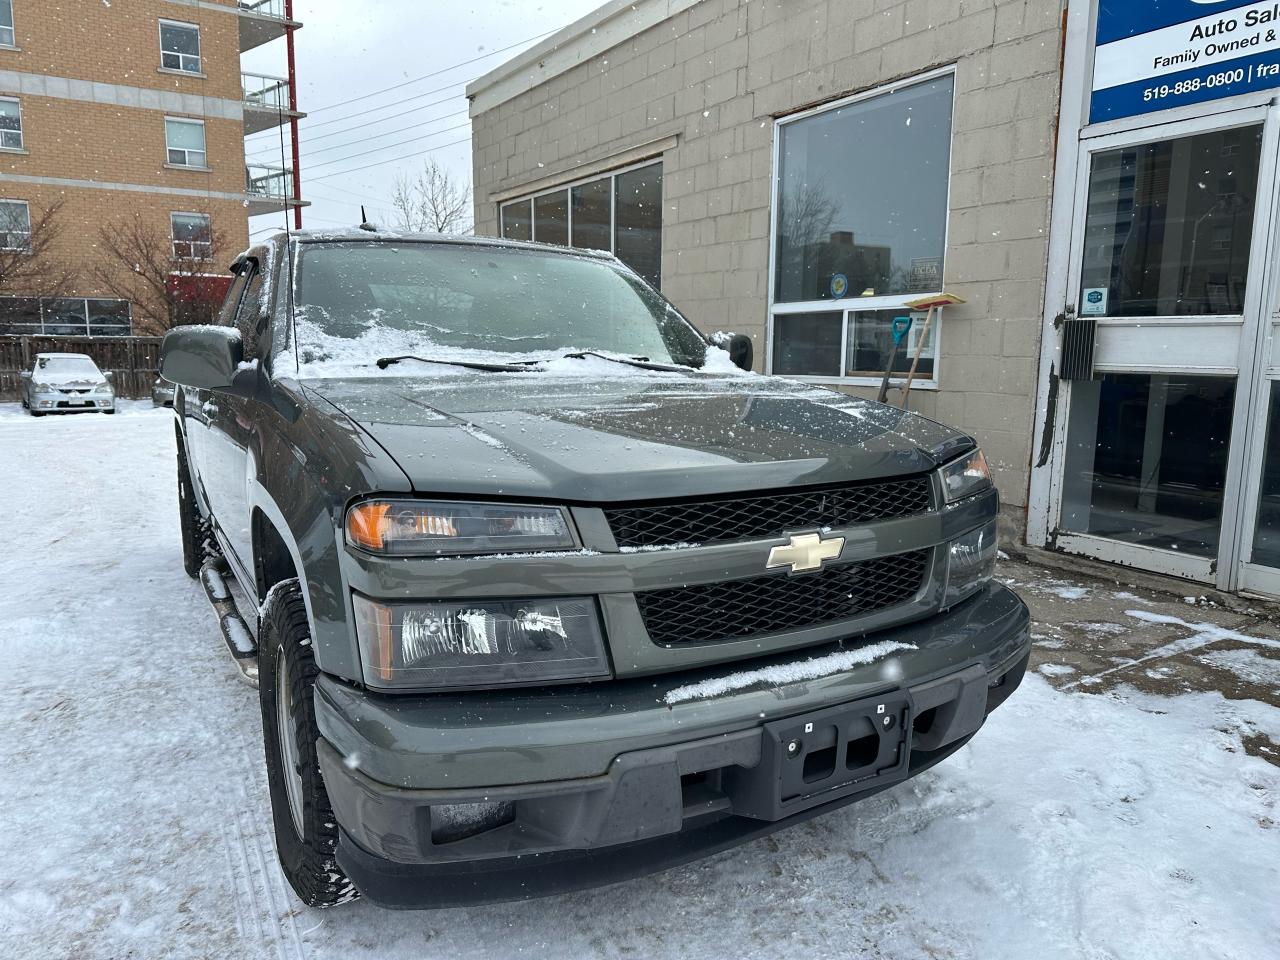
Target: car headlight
point(966, 476)
point(420, 527)
point(479, 643)
point(971, 562)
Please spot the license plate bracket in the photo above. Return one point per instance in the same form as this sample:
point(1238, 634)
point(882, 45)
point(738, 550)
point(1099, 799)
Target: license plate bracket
point(822, 756)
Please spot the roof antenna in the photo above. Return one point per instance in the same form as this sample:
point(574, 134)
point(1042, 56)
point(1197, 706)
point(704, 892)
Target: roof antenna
point(364, 221)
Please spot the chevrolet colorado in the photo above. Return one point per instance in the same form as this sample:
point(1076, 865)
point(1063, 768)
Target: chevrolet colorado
point(543, 589)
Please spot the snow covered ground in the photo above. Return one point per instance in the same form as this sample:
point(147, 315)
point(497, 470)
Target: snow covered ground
point(1123, 819)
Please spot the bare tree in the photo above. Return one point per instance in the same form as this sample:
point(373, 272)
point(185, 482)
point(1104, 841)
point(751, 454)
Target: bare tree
point(170, 282)
point(29, 265)
point(808, 211)
point(432, 201)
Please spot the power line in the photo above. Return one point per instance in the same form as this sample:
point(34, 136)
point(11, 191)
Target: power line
point(434, 73)
point(378, 163)
point(367, 137)
point(390, 146)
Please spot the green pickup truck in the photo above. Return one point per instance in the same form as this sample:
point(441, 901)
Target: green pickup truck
point(542, 589)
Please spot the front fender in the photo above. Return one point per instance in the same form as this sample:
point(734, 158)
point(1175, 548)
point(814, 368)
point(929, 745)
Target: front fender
point(302, 474)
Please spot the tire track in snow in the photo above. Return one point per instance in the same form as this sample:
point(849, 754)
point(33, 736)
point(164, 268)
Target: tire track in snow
point(262, 902)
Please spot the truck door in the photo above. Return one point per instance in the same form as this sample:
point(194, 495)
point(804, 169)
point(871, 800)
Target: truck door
point(230, 433)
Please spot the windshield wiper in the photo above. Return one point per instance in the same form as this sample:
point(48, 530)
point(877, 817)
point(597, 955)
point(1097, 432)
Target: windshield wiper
point(384, 362)
point(643, 363)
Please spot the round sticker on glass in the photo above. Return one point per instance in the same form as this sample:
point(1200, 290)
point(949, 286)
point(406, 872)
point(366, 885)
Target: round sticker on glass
point(839, 285)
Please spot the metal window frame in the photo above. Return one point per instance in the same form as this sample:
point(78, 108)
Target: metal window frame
point(186, 152)
point(12, 28)
point(850, 305)
point(199, 57)
point(26, 206)
point(22, 139)
point(207, 245)
point(610, 175)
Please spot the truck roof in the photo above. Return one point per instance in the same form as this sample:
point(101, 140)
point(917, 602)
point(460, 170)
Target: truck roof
point(360, 235)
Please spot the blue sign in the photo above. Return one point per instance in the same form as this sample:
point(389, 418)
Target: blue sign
point(1156, 54)
point(839, 285)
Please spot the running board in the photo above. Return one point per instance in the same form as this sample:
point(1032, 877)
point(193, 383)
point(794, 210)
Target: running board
point(235, 632)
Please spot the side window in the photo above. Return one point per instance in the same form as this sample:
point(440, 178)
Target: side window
point(227, 313)
point(251, 310)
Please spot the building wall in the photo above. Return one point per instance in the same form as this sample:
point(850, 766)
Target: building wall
point(94, 99)
point(719, 73)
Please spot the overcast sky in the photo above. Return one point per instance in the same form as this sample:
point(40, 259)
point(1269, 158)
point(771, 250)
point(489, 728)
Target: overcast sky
point(347, 50)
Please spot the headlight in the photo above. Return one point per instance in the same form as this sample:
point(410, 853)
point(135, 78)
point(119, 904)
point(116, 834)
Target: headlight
point(479, 643)
point(966, 476)
point(971, 562)
point(420, 527)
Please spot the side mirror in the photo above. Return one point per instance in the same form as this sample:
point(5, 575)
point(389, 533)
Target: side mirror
point(738, 346)
point(110, 374)
point(26, 374)
point(201, 357)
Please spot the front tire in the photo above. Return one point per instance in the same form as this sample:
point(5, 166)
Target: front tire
point(305, 828)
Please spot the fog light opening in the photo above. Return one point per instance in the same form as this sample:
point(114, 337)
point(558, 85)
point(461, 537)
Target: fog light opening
point(451, 822)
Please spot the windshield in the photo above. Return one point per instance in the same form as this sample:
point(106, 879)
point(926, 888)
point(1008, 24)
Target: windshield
point(64, 367)
point(357, 302)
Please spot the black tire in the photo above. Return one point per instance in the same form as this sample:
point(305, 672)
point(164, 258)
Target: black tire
point(196, 531)
point(35, 413)
point(109, 412)
point(306, 856)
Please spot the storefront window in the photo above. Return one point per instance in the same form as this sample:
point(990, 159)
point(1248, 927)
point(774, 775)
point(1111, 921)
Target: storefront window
point(621, 213)
point(862, 197)
point(1147, 459)
point(1169, 224)
point(871, 348)
point(1266, 538)
point(65, 317)
point(807, 344)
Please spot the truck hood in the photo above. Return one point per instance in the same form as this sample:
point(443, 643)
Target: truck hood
point(636, 436)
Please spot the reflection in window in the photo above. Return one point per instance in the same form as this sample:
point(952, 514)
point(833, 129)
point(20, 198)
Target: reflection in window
point(517, 221)
point(1266, 538)
point(621, 213)
point(551, 218)
point(6, 23)
point(591, 214)
point(807, 344)
point(180, 46)
point(862, 197)
point(638, 230)
point(184, 140)
point(1147, 459)
point(1169, 224)
point(10, 124)
point(65, 316)
point(192, 236)
point(15, 225)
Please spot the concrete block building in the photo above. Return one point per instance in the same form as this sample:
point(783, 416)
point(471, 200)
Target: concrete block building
point(130, 108)
point(1099, 182)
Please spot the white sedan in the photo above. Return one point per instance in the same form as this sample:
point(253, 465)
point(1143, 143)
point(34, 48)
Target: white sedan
point(66, 383)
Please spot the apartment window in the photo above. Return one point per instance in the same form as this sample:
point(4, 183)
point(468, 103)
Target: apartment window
point(15, 225)
point(10, 124)
point(861, 198)
point(65, 317)
point(185, 142)
point(620, 212)
point(180, 46)
point(6, 24)
point(192, 236)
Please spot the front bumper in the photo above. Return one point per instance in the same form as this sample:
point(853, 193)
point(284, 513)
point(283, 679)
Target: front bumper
point(604, 784)
point(58, 402)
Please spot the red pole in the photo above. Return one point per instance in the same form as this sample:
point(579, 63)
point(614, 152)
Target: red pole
point(293, 121)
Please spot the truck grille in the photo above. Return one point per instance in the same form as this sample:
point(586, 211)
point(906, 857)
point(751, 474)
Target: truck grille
point(736, 609)
point(767, 515)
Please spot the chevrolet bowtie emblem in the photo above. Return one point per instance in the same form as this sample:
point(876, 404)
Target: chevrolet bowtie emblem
point(805, 552)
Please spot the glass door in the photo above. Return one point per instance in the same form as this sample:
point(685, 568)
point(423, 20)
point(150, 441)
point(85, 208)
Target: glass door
point(1172, 230)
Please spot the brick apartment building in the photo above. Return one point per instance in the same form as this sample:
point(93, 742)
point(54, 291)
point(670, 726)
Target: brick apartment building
point(129, 113)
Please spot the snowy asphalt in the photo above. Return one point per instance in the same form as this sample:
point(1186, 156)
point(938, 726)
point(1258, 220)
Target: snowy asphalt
point(1122, 804)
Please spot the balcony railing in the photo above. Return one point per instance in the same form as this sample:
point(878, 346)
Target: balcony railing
point(265, 91)
point(266, 8)
point(271, 183)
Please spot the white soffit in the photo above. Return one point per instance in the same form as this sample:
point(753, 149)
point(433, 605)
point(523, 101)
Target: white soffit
point(600, 30)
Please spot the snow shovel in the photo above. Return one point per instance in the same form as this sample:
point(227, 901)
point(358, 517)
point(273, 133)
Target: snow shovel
point(901, 327)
